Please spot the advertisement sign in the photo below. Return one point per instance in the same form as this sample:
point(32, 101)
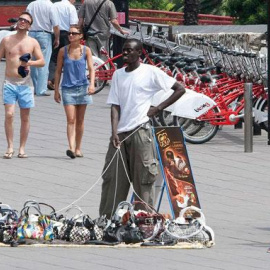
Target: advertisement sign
point(176, 168)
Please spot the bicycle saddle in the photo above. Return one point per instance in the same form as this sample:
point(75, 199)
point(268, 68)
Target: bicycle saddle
point(180, 64)
point(175, 59)
point(169, 63)
point(205, 79)
point(189, 68)
point(163, 58)
point(154, 55)
point(204, 70)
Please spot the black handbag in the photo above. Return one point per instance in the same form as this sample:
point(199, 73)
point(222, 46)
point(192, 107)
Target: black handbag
point(8, 224)
point(86, 28)
point(128, 233)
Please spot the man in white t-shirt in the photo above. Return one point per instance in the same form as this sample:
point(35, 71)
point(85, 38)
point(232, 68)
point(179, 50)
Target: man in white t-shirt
point(132, 89)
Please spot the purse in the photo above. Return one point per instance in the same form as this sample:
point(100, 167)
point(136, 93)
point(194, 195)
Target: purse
point(35, 226)
point(151, 223)
point(8, 224)
point(80, 228)
point(190, 228)
point(117, 232)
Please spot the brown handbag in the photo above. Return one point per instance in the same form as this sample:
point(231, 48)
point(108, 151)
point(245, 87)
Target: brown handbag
point(150, 222)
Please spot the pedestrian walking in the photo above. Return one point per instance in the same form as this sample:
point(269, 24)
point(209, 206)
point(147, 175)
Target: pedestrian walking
point(132, 89)
point(44, 23)
point(76, 89)
point(67, 16)
point(105, 16)
point(19, 50)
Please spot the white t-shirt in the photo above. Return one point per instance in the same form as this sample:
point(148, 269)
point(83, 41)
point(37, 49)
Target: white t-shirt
point(66, 13)
point(133, 92)
point(44, 15)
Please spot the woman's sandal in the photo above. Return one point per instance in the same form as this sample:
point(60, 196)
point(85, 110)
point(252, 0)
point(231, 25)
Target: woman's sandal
point(70, 154)
point(22, 155)
point(8, 155)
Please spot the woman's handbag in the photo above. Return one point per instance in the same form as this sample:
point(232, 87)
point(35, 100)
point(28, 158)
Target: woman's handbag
point(80, 228)
point(35, 225)
point(189, 228)
point(8, 224)
point(123, 227)
point(150, 223)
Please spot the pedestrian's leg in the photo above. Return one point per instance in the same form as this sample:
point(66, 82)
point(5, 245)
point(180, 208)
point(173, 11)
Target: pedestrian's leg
point(92, 44)
point(105, 44)
point(25, 126)
point(115, 184)
point(71, 121)
point(144, 164)
point(80, 112)
point(9, 116)
point(45, 42)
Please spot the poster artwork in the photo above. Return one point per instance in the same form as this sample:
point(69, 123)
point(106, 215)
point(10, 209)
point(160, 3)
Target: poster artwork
point(176, 167)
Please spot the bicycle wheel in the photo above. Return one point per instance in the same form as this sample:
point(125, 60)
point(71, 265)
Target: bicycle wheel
point(166, 119)
point(100, 82)
point(199, 132)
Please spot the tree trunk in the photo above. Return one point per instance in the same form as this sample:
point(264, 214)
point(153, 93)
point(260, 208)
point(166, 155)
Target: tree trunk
point(191, 11)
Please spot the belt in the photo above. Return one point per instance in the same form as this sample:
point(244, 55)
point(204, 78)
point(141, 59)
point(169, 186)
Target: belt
point(40, 31)
point(146, 125)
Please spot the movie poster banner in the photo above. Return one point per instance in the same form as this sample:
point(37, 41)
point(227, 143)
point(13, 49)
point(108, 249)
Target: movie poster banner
point(176, 167)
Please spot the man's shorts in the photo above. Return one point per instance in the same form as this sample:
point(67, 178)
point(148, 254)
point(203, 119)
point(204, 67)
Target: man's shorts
point(16, 90)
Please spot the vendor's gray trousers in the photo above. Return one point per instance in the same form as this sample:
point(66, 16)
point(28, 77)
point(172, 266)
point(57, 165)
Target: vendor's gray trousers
point(139, 154)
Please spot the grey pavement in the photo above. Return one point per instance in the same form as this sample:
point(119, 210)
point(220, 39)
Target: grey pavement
point(233, 189)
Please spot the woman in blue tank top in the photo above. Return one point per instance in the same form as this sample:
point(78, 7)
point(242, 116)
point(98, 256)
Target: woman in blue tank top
point(76, 90)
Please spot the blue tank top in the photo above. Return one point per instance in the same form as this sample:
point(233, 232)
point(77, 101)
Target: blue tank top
point(74, 70)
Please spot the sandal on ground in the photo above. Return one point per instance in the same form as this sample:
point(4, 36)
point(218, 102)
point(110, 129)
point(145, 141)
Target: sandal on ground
point(8, 155)
point(79, 155)
point(22, 155)
point(70, 154)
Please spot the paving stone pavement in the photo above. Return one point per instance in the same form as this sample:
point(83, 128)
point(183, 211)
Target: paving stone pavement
point(233, 189)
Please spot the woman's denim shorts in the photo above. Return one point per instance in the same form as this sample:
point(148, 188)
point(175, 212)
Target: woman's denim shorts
point(76, 95)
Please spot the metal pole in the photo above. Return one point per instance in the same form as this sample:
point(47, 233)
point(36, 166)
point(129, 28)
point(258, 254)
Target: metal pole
point(248, 118)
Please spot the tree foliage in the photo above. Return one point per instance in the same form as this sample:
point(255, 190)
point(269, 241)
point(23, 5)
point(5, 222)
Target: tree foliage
point(246, 11)
point(153, 4)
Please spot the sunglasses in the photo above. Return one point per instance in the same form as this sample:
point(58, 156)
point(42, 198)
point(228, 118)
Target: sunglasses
point(74, 33)
point(23, 20)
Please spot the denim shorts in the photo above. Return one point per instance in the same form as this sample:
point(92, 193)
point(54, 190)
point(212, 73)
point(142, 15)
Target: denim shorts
point(18, 92)
point(76, 95)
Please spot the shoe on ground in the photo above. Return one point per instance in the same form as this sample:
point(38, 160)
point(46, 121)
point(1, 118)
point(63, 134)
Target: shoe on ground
point(45, 94)
point(70, 154)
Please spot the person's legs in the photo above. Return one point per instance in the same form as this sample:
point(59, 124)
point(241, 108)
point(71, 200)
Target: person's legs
point(40, 75)
point(71, 121)
point(63, 41)
point(92, 44)
point(80, 112)
point(115, 184)
point(9, 116)
point(25, 126)
point(143, 163)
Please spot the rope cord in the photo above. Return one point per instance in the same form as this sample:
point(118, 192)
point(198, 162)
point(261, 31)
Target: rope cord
point(117, 150)
point(146, 204)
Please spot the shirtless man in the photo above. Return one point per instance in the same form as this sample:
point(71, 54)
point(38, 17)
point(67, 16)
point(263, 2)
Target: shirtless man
point(15, 87)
